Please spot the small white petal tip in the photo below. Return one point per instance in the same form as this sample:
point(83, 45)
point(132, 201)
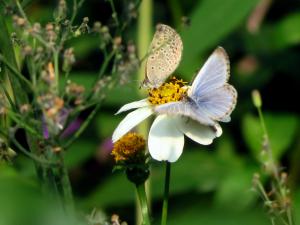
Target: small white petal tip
point(133, 105)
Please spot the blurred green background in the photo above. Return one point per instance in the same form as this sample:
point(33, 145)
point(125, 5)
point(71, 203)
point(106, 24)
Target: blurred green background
point(209, 185)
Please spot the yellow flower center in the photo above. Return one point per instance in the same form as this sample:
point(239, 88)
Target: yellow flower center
point(172, 91)
point(129, 148)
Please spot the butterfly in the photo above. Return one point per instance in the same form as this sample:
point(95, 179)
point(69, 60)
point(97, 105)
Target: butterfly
point(210, 98)
point(164, 56)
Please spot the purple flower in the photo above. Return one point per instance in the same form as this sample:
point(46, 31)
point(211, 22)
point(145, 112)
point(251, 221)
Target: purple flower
point(45, 128)
point(73, 126)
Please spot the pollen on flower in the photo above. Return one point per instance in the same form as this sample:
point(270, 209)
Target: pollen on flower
point(172, 91)
point(130, 148)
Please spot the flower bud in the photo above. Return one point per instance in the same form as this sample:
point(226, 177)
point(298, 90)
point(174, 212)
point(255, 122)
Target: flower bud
point(256, 98)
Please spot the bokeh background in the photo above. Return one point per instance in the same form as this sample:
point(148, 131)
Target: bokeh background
point(209, 184)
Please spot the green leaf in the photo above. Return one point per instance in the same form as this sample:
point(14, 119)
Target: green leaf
point(79, 152)
point(85, 79)
point(120, 95)
point(281, 129)
point(41, 207)
point(287, 31)
point(296, 206)
point(211, 21)
point(196, 210)
point(238, 182)
point(84, 45)
point(106, 124)
point(282, 34)
point(237, 179)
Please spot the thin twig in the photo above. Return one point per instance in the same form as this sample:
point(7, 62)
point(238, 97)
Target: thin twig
point(21, 123)
point(114, 12)
point(105, 64)
point(83, 127)
point(76, 6)
point(23, 14)
point(56, 70)
point(27, 153)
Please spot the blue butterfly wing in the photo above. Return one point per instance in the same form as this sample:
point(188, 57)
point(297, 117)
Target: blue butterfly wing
point(210, 90)
point(210, 98)
point(217, 104)
point(213, 74)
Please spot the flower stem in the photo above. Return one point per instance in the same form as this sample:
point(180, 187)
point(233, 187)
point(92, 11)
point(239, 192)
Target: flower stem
point(56, 70)
point(166, 194)
point(66, 189)
point(144, 35)
point(143, 202)
point(270, 153)
point(280, 188)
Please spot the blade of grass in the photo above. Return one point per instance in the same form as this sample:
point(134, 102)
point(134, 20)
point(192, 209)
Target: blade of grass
point(7, 50)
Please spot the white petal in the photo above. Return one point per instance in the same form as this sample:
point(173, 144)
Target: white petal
point(133, 105)
point(165, 141)
point(199, 133)
point(219, 130)
point(130, 121)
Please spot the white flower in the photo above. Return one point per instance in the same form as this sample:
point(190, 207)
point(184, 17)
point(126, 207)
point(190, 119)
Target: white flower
point(166, 136)
point(193, 110)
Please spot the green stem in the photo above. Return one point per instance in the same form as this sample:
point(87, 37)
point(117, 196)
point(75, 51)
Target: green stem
point(41, 168)
point(290, 217)
point(176, 11)
point(56, 70)
point(74, 11)
point(282, 195)
point(23, 14)
point(269, 150)
point(65, 185)
point(76, 6)
point(21, 11)
point(83, 126)
point(15, 117)
point(105, 64)
point(27, 153)
point(144, 35)
point(166, 195)
point(7, 94)
point(8, 53)
point(16, 72)
point(143, 202)
point(114, 15)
